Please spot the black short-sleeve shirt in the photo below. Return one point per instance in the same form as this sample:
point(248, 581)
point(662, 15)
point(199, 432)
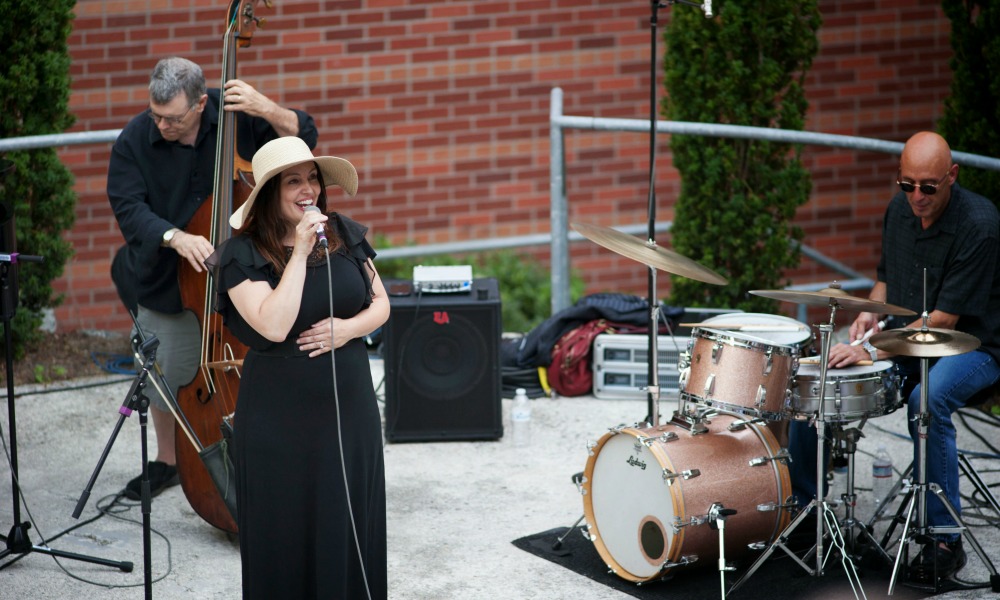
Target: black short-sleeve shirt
point(959, 252)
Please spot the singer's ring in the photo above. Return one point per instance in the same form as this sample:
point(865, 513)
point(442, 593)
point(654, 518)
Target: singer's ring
point(322, 345)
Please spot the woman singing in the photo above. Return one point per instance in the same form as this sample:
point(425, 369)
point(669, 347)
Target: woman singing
point(307, 432)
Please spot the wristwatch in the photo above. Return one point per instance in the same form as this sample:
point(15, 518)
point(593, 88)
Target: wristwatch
point(872, 350)
point(168, 235)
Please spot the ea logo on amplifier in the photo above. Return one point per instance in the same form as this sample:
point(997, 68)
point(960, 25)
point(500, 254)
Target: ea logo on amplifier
point(441, 317)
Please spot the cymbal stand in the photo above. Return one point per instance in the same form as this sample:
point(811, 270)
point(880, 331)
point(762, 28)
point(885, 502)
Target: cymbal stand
point(825, 516)
point(918, 496)
point(653, 390)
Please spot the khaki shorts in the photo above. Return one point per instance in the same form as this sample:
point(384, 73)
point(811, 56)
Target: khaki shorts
point(178, 353)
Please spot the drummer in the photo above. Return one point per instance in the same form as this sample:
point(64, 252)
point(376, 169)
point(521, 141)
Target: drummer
point(933, 223)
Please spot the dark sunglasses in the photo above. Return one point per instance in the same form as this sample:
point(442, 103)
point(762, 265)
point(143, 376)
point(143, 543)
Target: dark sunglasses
point(927, 189)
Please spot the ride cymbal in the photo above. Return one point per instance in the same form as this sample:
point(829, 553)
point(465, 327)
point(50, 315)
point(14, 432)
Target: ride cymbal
point(925, 343)
point(650, 255)
point(834, 296)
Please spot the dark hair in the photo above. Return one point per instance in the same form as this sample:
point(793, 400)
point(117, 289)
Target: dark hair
point(267, 228)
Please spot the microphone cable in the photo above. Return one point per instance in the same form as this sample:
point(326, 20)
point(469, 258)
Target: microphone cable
point(340, 436)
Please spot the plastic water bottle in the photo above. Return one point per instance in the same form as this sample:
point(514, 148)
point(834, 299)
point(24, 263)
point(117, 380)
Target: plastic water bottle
point(881, 476)
point(520, 418)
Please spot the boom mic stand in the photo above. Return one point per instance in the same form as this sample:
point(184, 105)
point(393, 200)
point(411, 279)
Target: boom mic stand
point(135, 399)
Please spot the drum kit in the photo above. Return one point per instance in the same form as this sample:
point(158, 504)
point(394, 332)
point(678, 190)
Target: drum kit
point(656, 494)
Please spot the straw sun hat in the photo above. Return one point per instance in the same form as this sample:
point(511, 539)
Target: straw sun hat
point(277, 155)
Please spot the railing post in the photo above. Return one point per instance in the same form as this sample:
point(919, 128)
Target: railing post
point(558, 211)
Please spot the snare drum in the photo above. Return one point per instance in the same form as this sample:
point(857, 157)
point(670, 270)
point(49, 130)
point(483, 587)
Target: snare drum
point(649, 493)
point(851, 393)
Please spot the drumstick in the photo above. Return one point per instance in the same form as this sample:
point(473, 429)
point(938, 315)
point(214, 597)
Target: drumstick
point(878, 327)
point(814, 360)
point(747, 327)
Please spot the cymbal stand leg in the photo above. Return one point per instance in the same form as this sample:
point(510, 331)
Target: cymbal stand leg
point(837, 541)
point(919, 497)
point(779, 543)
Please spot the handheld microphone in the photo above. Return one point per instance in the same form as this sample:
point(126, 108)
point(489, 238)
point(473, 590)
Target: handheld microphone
point(707, 7)
point(320, 231)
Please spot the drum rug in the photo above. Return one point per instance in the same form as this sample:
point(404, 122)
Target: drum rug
point(779, 575)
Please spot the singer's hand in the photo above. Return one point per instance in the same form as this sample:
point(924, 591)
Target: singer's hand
point(305, 231)
point(316, 340)
point(193, 248)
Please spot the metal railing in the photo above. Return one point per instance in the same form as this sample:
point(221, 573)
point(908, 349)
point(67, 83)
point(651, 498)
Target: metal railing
point(560, 235)
point(558, 123)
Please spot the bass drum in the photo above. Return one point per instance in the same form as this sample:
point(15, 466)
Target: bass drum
point(648, 494)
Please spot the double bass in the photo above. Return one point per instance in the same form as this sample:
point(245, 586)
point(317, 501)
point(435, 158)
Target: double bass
point(207, 402)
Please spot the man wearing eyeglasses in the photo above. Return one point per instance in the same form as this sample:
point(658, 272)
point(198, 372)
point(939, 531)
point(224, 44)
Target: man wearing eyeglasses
point(934, 225)
point(162, 169)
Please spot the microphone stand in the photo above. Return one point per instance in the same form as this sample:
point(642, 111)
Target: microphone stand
point(135, 399)
point(653, 372)
point(17, 540)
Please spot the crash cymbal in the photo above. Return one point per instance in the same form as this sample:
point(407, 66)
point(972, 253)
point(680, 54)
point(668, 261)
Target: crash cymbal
point(925, 343)
point(632, 247)
point(834, 296)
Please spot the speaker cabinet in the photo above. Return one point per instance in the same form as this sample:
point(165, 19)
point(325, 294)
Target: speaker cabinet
point(442, 364)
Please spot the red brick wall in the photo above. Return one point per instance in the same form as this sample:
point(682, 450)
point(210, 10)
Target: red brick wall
point(443, 107)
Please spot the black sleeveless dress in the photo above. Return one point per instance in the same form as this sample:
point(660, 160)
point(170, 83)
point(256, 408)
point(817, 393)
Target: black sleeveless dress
point(296, 538)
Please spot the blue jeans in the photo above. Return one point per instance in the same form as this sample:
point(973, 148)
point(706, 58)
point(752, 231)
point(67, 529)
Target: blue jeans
point(802, 470)
point(953, 380)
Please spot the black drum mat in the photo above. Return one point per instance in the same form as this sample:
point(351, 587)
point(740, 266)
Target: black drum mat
point(778, 578)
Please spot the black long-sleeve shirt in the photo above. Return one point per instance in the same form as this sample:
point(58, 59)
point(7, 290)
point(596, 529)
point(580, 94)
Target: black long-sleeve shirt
point(155, 185)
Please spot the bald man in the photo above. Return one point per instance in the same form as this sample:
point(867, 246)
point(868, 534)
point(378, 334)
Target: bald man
point(933, 223)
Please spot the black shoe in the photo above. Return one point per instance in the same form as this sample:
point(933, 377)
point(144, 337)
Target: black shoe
point(949, 561)
point(161, 476)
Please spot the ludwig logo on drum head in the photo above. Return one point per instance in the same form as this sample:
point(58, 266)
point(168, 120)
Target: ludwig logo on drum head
point(635, 462)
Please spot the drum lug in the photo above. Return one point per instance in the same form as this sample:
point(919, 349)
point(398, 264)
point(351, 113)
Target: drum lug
point(769, 363)
point(678, 524)
point(761, 398)
point(716, 353)
point(669, 476)
point(757, 545)
point(687, 559)
point(666, 436)
point(782, 456)
point(742, 424)
point(590, 447)
point(709, 385)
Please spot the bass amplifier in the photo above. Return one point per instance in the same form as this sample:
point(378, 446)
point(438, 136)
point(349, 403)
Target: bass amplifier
point(621, 365)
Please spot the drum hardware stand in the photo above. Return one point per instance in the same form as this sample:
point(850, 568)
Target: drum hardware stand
point(918, 497)
point(846, 442)
point(135, 399)
point(918, 491)
point(17, 541)
point(578, 479)
point(823, 508)
point(717, 520)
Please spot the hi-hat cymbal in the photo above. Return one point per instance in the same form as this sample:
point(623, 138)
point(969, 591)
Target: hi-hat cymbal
point(925, 343)
point(653, 256)
point(834, 296)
